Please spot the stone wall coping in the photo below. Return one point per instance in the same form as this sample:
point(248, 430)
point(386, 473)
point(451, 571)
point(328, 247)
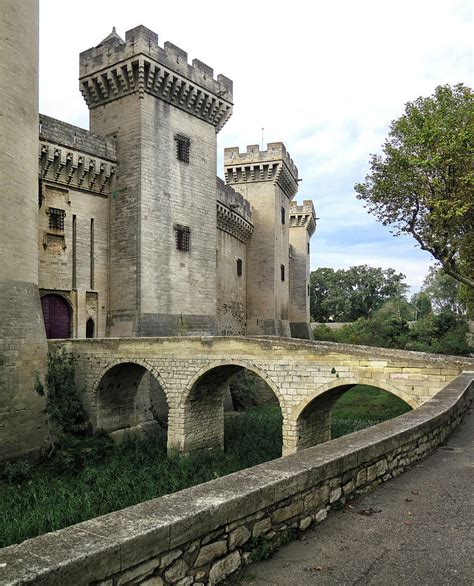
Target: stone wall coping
point(275, 343)
point(109, 544)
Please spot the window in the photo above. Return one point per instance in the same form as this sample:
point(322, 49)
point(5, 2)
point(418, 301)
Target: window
point(239, 267)
point(283, 215)
point(182, 148)
point(56, 219)
point(182, 236)
point(308, 247)
point(308, 290)
point(282, 272)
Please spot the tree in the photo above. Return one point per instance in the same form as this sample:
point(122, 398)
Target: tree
point(421, 303)
point(444, 292)
point(347, 294)
point(423, 183)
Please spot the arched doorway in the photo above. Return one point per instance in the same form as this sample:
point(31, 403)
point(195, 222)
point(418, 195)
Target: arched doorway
point(90, 327)
point(56, 315)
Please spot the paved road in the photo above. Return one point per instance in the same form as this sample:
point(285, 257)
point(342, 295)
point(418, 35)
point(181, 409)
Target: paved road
point(417, 529)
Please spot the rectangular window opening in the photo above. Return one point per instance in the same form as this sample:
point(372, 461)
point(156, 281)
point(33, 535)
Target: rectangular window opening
point(283, 215)
point(56, 219)
point(239, 267)
point(182, 236)
point(182, 148)
point(282, 272)
point(308, 247)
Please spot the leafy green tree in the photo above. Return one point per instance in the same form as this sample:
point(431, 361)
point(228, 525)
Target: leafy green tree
point(423, 183)
point(421, 303)
point(444, 292)
point(347, 294)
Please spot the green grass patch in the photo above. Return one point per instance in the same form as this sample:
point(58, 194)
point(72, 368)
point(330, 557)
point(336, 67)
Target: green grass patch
point(91, 477)
point(363, 406)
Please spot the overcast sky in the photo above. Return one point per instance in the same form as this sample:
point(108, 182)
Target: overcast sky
point(324, 77)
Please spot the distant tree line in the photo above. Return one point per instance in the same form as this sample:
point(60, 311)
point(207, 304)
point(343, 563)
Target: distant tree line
point(375, 302)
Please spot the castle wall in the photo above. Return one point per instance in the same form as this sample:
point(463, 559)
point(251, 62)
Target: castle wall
point(122, 120)
point(22, 335)
point(302, 226)
point(57, 249)
point(231, 288)
point(178, 288)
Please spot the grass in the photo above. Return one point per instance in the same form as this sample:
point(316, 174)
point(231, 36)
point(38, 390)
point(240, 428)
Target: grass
point(363, 406)
point(93, 476)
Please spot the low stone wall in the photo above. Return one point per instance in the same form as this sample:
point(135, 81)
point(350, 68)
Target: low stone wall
point(203, 534)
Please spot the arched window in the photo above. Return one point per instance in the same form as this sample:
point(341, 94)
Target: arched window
point(57, 316)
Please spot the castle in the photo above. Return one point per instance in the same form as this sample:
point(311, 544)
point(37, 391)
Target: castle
point(124, 230)
point(137, 236)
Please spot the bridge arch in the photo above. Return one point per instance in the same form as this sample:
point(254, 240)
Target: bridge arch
point(122, 400)
point(202, 403)
point(312, 416)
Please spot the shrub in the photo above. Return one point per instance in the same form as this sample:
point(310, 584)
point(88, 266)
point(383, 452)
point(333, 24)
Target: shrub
point(63, 398)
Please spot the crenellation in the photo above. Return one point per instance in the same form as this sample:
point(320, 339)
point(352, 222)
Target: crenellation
point(115, 68)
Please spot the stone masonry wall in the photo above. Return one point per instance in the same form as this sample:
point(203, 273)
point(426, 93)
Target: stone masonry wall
point(204, 534)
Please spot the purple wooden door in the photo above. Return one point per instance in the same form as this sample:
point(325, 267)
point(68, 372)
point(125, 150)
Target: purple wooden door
point(57, 316)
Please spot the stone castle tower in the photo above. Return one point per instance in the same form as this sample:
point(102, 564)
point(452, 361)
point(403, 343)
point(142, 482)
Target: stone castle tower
point(164, 115)
point(22, 338)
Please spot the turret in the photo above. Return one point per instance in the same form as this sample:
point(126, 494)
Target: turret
point(302, 227)
point(268, 180)
point(22, 335)
point(164, 114)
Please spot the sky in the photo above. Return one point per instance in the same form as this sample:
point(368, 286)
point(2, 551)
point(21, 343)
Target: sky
point(325, 78)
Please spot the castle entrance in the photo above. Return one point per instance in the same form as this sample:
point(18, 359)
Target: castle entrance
point(57, 316)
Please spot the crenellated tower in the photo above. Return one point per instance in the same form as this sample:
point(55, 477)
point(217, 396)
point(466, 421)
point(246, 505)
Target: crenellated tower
point(164, 114)
point(302, 227)
point(268, 180)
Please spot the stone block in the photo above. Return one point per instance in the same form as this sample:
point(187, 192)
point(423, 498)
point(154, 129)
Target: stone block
point(305, 523)
point(261, 527)
point(176, 571)
point(169, 557)
point(223, 568)
point(210, 552)
point(238, 537)
point(285, 513)
point(140, 571)
point(321, 515)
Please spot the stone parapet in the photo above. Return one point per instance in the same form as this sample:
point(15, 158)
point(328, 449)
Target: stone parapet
point(204, 534)
point(116, 68)
point(272, 165)
point(303, 216)
point(234, 213)
point(69, 136)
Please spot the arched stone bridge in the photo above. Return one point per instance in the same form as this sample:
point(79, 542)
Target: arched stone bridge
point(192, 373)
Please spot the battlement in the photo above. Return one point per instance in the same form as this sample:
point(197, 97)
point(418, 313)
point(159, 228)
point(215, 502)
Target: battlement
point(274, 165)
point(116, 67)
point(276, 151)
point(303, 216)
